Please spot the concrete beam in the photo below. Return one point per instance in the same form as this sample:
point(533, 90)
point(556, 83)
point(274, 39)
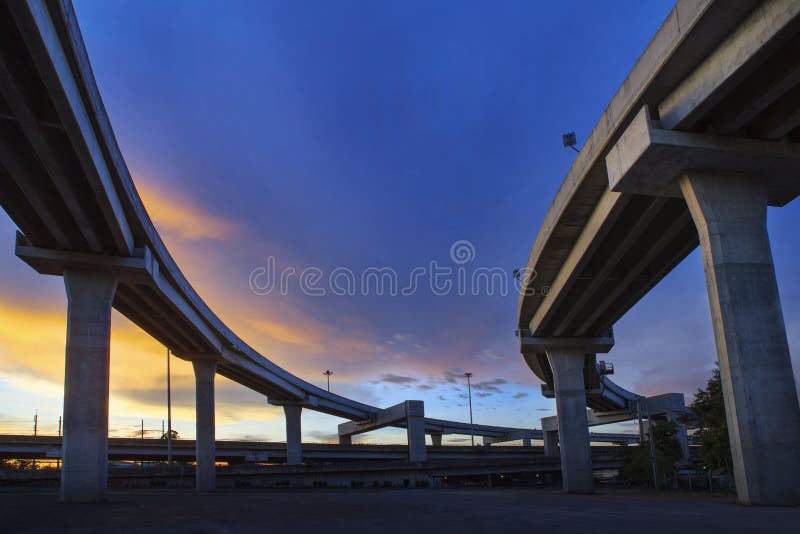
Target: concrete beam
point(441, 426)
point(780, 73)
point(411, 413)
point(205, 472)
point(17, 171)
point(85, 442)
point(610, 205)
point(34, 131)
point(610, 261)
point(138, 268)
point(42, 38)
point(649, 160)
point(634, 271)
point(585, 345)
point(515, 434)
point(383, 418)
point(732, 60)
point(781, 118)
point(689, 30)
point(761, 403)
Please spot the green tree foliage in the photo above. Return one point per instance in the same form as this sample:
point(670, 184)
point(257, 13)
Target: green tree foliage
point(668, 448)
point(639, 466)
point(708, 412)
point(174, 435)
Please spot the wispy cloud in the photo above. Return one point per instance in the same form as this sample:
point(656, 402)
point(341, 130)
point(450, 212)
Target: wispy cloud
point(175, 213)
point(390, 378)
point(490, 385)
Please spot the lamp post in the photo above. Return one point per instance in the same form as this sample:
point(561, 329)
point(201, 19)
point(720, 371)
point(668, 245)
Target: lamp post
point(169, 414)
point(328, 374)
point(469, 393)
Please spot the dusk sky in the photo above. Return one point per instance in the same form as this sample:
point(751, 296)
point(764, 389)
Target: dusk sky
point(357, 134)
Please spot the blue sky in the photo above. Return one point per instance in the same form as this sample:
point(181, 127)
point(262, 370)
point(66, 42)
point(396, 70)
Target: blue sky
point(357, 134)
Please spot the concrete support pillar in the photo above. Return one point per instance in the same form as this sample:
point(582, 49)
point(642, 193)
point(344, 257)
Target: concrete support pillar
point(761, 404)
point(526, 442)
point(345, 439)
point(573, 423)
point(436, 440)
point(205, 446)
point(294, 441)
point(85, 443)
point(551, 443)
point(415, 430)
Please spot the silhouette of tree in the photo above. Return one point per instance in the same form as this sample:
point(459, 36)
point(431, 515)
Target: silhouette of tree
point(639, 466)
point(708, 412)
point(174, 435)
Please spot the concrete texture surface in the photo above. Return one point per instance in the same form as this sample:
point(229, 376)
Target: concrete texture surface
point(393, 510)
point(761, 405)
point(85, 448)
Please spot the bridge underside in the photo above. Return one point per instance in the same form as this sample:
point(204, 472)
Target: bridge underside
point(703, 134)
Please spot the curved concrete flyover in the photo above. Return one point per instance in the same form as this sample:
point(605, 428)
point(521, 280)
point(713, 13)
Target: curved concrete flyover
point(701, 137)
point(65, 184)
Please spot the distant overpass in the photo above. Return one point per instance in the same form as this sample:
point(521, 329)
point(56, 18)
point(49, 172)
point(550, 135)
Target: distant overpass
point(231, 451)
point(701, 137)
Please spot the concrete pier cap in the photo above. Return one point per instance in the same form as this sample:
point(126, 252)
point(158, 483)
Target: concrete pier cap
point(409, 413)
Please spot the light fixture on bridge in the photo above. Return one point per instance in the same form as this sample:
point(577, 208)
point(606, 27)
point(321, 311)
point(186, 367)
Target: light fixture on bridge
point(328, 374)
point(605, 368)
point(570, 140)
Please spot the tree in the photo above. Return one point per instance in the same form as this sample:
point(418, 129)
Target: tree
point(174, 435)
point(708, 412)
point(639, 466)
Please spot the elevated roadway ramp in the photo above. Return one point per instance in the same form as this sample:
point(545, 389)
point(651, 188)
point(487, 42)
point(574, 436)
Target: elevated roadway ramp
point(65, 184)
point(702, 136)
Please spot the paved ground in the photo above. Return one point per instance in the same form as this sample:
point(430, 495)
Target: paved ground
point(392, 510)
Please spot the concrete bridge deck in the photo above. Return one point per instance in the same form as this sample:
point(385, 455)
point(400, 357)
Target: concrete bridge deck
point(64, 182)
point(702, 136)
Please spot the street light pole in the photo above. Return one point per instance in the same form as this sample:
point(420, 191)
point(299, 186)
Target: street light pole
point(328, 374)
point(169, 413)
point(469, 393)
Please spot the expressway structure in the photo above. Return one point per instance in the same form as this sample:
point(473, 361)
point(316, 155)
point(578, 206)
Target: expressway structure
point(701, 137)
point(260, 452)
point(65, 184)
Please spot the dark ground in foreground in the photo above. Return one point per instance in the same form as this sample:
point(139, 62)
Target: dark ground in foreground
point(392, 510)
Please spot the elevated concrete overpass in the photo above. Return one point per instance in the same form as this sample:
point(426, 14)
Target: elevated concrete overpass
point(234, 452)
point(700, 138)
point(65, 184)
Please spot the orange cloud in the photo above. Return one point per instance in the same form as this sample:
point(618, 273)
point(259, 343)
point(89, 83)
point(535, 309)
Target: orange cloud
point(173, 213)
point(288, 333)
